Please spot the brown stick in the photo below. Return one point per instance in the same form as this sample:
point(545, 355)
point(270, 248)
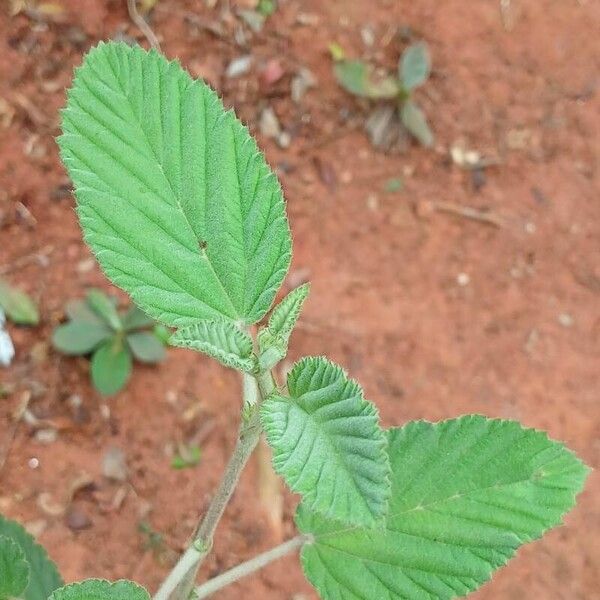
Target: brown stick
point(468, 213)
point(142, 24)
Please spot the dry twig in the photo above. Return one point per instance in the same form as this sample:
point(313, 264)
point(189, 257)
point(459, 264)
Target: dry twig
point(467, 212)
point(142, 24)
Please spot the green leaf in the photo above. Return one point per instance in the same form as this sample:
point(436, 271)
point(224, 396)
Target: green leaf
point(162, 333)
point(286, 313)
point(14, 570)
point(357, 78)
point(17, 305)
point(266, 7)
point(146, 347)
point(43, 575)
point(111, 367)
point(466, 493)
point(136, 318)
point(273, 339)
point(220, 340)
point(414, 120)
point(393, 185)
point(79, 337)
point(415, 66)
point(79, 310)
point(99, 589)
point(336, 51)
point(327, 443)
point(189, 456)
point(105, 308)
point(173, 195)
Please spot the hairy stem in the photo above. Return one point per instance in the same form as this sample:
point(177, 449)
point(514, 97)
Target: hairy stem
point(249, 567)
point(180, 581)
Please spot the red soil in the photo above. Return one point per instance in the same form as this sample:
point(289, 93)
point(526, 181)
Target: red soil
point(436, 315)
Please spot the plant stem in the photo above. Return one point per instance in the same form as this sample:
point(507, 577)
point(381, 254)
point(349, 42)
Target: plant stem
point(248, 567)
point(180, 581)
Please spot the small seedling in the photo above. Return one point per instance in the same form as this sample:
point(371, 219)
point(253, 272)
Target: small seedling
point(184, 214)
point(186, 457)
point(113, 339)
point(154, 541)
point(414, 68)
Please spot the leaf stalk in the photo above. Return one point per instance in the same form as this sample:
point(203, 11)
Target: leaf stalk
point(179, 583)
point(249, 567)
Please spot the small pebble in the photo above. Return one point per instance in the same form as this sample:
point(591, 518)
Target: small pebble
point(463, 279)
point(301, 83)
point(46, 436)
point(268, 123)
point(114, 465)
point(368, 36)
point(372, 202)
point(284, 139)
point(86, 265)
point(239, 66)
point(36, 527)
point(566, 320)
point(77, 520)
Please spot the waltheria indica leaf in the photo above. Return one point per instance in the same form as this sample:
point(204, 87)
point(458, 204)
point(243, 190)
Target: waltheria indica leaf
point(466, 493)
point(173, 195)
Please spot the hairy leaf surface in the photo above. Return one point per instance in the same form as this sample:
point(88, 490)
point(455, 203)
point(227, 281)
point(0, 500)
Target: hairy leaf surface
point(273, 339)
point(14, 570)
point(43, 575)
point(466, 493)
point(219, 339)
point(327, 443)
point(173, 195)
point(99, 589)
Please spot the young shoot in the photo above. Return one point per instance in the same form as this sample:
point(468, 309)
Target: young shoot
point(414, 68)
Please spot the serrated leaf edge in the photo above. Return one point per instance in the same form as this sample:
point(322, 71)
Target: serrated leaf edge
point(276, 277)
point(577, 489)
point(20, 558)
point(371, 410)
point(229, 359)
point(100, 581)
point(476, 416)
point(50, 565)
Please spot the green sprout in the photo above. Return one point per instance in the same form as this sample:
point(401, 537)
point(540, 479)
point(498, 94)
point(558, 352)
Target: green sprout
point(414, 68)
point(113, 338)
